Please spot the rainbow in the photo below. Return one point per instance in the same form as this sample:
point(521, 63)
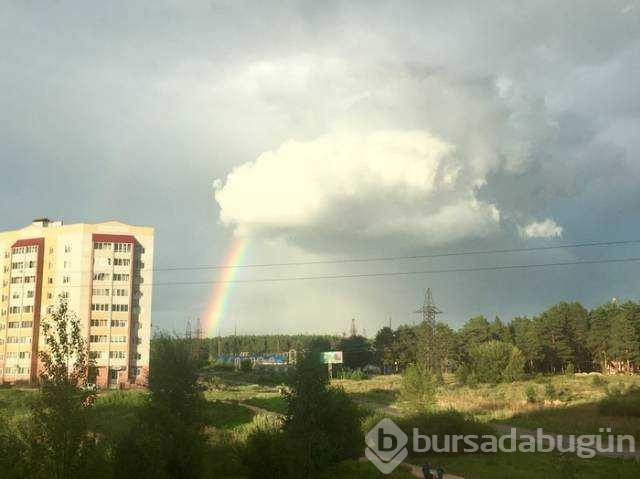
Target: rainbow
point(222, 287)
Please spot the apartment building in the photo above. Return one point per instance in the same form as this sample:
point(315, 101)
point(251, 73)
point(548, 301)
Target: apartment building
point(104, 271)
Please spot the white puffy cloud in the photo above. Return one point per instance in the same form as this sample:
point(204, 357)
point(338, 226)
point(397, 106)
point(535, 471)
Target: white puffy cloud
point(547, 228)
point(371, 185)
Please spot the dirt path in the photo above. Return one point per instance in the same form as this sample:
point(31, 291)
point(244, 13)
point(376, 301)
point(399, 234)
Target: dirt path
point(505, 429)
point(415, 470)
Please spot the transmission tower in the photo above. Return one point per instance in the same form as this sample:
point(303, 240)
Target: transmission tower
point(198, 329)
point(429, 312)
point(187, 330)
point(354, 329)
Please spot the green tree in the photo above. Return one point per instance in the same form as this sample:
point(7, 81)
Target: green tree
point(474, 332)
point(525, 337)
point(446, 340)
point(61, 445)
point(419, 387)
point(405, 348)
point(167, 439)
point(356, 351)
point(624, 349)
point(563, 332)
point(322, 424)
point(383, 347)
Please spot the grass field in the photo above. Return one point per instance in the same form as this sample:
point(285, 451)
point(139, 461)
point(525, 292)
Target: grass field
point(564, 404)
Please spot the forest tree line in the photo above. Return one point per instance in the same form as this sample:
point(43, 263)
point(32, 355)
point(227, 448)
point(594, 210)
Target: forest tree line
point(565, 337)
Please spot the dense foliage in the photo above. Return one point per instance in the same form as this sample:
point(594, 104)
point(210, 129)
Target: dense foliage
point(321, 427)
point(564, 338)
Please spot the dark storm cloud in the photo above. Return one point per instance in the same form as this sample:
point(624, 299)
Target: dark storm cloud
point(130, 110)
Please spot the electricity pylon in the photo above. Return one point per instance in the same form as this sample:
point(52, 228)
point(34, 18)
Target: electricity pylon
point(429, 312)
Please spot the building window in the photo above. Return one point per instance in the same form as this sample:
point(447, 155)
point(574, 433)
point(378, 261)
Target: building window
point(98, 338)
point(118, 339)
point(117, 355)
point(120, 277)
point(120, 308)
point(101, 276)
point(118, 323)
point(122, 247)
point(99, 323)
point(26, 324)
point(67, 248)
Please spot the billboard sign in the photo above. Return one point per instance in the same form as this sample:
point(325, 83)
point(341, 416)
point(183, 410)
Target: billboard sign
point(332, 357)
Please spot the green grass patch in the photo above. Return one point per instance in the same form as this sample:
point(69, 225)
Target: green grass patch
point(617, 413)
point(225, 415)
point(276, 404)
point(114, 412)
point(625, 405)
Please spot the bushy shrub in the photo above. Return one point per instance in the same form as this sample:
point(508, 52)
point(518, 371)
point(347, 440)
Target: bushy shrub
point(495, 362)
point(550, 391)
point(599, 381)
point(246, 365)
point(12, 454)
point(531, 394)
point(419, 387)
point(266, 453)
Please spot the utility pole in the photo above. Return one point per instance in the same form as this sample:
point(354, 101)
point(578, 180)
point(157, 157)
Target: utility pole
point(429, 312)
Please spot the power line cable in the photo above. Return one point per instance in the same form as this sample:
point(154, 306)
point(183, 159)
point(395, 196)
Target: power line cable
point(409, 257)
point(382, 258)
point(389, 273)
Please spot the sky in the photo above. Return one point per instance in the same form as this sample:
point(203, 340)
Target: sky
point(314, 131)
